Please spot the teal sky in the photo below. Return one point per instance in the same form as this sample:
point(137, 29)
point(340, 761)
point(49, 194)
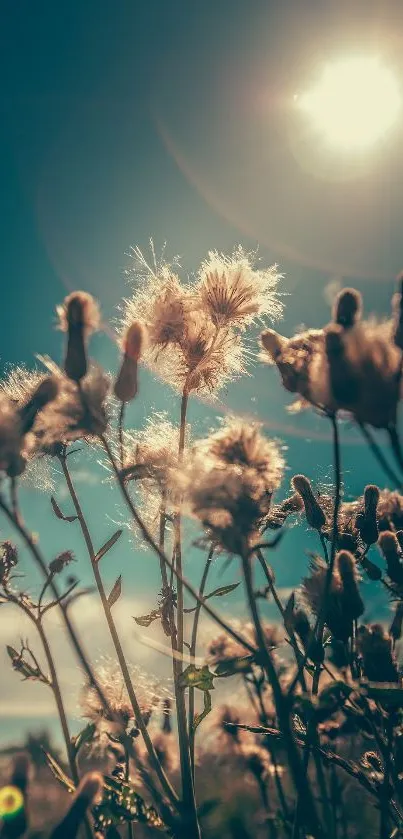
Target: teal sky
point(175, 120)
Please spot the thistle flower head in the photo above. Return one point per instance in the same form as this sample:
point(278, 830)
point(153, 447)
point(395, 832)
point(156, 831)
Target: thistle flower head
point(340, 602)
point(79, 310)
point(228, 482)
point(234, 293)
point(347, 307)
point(351, 602)
point(366, 521)
point(302, 364)
point(76, 413)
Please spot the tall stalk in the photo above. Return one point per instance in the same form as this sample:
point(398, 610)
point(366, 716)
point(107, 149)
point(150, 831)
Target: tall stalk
point(193, 649)
point(155, 763)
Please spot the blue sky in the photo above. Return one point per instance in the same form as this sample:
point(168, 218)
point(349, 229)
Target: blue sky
point(174, 120)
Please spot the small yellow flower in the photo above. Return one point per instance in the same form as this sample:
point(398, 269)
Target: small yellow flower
point(11, 802)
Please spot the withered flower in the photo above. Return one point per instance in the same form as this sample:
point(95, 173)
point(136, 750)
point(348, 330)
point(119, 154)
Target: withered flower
point(375, 648)
point(315, 515)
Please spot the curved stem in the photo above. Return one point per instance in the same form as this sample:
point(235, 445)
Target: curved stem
point(169, 791)
point(120, 432)
point(380, 457)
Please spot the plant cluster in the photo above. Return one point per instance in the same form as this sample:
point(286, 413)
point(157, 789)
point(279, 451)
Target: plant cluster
point(318, 679)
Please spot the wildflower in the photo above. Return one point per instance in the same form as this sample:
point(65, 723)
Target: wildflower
point(76, 413)
point(78, 316)
point(366, 522)
point(229, 481)
point(347, 307)
point(302, 365)
point(234, 293)
point(365, 371)
point(11, 802)
point(314, 514)
point(60, 562)
point(336, 608)
point(151, 454)
point(375, 648)
point(126, 385)
point(392, 553)
point(281, 512)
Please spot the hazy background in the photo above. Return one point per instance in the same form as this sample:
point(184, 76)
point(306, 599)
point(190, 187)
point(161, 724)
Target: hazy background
point(174, 119)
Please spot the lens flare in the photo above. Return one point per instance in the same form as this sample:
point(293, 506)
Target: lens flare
point(354, 103)
point(11, 802)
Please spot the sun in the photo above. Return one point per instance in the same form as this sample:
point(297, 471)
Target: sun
point(354, 103)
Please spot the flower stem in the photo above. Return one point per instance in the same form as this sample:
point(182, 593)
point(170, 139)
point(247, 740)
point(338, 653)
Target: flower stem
point(165, 784)
point(193, 645)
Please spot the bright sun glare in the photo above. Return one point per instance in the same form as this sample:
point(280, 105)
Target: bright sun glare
point(354, 103)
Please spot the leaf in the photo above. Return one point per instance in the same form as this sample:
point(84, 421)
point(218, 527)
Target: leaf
point(288, 613)
point(108, 545)
point(197, 677)
point(116, 592)
point(58, 772)
point(84, 736)
point(58, 513)
point(222, 591)
point(146, 620)
point(189, 611)
point(206, 710)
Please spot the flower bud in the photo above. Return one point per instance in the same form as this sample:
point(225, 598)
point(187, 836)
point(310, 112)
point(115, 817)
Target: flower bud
point(126, 385)
point(79, 316)
point(347, 307)
point(313, 511)
point(391, 551)
point(60, 562)
point(366, 522)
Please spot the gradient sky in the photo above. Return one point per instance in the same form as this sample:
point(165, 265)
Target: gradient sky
point(174, 119)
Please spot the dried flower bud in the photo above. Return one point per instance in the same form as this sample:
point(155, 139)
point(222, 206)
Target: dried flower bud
point(347, 307)
point(79, 316)
point(60, 562)
point(87, 793)
point(273, 343)
point(366, 522)
point(46, 392)
point(391, 551)
point(350, 598)
point(375, 647)
point(395, 630)
point(8, 560)
point(397, 305)
point(343, 383)
point(313, 511)
point(126, 385)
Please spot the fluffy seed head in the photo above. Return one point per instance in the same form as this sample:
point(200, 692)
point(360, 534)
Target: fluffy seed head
point(234, 293)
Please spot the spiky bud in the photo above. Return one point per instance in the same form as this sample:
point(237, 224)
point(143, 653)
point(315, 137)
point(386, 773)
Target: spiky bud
point(366, 522)
point(313, 511)
point(60, 562)
point(79, 316)
point(347, 307)
point(126, 385)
